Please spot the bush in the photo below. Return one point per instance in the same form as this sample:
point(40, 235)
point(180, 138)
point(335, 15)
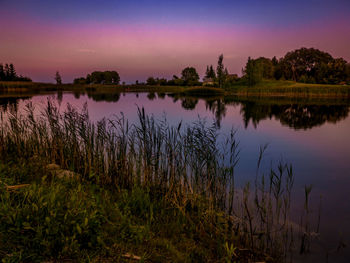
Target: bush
point(59, 220)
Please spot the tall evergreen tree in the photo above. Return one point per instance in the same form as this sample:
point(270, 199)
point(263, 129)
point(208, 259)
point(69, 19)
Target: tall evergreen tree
point(253, 71)
point(7, 72)
point(2, 73)
point(58, 78)
point(12, 73)
point(220, 72)
point(210, 73)
point(207, 72)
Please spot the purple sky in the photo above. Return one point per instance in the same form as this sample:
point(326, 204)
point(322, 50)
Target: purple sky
point(160, 38)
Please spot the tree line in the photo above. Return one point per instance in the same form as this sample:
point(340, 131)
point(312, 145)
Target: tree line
point(190, 77)
point(99, 77)
point(8, 73)
point(307, 65)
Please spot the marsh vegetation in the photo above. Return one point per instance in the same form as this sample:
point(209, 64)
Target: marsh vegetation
point(150, 189)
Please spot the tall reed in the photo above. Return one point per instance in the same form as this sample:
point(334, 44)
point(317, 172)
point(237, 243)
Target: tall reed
point(177, 163)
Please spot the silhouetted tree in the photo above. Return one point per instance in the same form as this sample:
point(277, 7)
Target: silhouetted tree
point(303, 61)
point(12, 73)
point(189, 75)
point(210, 73)
point(220, 74)
point(7, 72)
point(79, 81)
point(58, 78)
point(253, 72)
point(151, 81)
point(2, 73)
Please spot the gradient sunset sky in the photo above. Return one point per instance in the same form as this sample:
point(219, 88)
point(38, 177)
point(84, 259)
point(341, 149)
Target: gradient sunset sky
point(159, 38)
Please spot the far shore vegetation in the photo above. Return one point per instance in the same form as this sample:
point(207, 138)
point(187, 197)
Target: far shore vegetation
point(302, 72)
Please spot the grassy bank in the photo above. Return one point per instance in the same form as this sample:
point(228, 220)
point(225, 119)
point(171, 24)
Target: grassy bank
point(67, 219)
point(274, 88)
point(266, 88)
point(162, 193)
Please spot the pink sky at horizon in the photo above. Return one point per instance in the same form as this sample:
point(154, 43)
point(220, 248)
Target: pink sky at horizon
point(136, 51)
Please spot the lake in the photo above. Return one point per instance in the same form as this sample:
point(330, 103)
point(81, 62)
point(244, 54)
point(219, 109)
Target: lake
point(312, 134)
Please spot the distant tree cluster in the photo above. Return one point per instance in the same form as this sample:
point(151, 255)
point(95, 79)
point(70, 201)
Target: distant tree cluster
point(189, 77)
point(8, 73)
point(221, 78)
point(99, 77)
point(306, 65)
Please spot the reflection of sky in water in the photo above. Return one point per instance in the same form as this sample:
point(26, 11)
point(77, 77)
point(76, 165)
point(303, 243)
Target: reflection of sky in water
point(320, 156)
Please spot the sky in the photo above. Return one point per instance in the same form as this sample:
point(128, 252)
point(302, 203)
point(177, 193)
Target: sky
point(161, 37)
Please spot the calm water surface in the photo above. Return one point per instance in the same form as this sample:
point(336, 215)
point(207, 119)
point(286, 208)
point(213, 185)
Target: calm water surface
point(312, 135)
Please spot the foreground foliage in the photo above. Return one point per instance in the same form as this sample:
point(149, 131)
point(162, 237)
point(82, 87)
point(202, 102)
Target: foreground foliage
point(161, 192)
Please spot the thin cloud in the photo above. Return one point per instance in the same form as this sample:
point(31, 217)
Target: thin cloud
point(85, 50)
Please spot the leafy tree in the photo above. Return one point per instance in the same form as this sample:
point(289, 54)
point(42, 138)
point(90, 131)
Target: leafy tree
point(151, 81)
point(347, 72)
point(332, 73)
point(267, 67)
point(58, 78)
point(189, 75)
point(79, 81)
point(103, 77)
point(303, 61)
point(175, 81)
point(162, 81)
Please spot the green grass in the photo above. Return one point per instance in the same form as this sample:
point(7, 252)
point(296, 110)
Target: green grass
point(67, 219)
point(290, 89)
point(265, 88)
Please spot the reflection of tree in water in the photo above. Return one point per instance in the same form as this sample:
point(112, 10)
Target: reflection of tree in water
point(218, 108)
point(151, 96)
point(9, 104)
point(306, 117)
point(189, 103)
point(77, 94)
point(59, 97)
point(109, 97)
point(297, 116)
point(161, 95)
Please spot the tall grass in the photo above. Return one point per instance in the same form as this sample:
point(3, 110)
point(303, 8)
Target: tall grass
point(188, 167)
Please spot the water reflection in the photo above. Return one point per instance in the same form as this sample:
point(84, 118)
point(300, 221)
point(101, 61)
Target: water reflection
point(304, 114)
point(294, 113)
point(296, 116)
point(10, 103)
